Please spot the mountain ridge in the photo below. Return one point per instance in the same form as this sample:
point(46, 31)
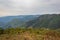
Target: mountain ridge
point(47, 21)
point(51, 21)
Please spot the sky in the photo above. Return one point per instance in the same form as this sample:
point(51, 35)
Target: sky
point(29, 7)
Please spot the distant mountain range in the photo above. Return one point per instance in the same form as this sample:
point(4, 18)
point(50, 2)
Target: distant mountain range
point(51, 21)
point(14, 21)
point(21, 17)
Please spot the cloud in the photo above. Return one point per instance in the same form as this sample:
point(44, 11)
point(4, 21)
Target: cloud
point(23, 7)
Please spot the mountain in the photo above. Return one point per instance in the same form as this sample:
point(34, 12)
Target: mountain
point(14, 21)
point(51, 21)
point(22, 17)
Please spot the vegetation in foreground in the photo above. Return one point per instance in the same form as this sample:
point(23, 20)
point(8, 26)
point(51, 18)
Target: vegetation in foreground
point(29, 34)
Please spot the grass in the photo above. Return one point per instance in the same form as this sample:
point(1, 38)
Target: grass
point(30, 34)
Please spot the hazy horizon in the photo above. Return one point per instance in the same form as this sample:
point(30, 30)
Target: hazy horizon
point(29, 7)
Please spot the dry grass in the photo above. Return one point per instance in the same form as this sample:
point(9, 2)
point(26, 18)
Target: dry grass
point(27, 35)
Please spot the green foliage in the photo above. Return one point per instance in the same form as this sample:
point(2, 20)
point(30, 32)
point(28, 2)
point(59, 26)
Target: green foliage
point(1, 31)
point(47, 21)
point(30, 34)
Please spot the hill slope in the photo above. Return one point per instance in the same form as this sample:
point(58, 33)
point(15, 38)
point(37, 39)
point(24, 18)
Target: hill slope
point(30, 34)
point(14, 21)
point(48, 21)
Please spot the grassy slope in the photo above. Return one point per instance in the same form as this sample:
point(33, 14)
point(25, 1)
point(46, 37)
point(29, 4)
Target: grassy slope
point(30, 34)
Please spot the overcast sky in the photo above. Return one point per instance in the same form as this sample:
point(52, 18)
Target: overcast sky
point(29, 7)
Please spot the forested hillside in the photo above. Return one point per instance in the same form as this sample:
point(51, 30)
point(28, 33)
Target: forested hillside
point(51, 21)
point(15, 21)
point(41, 27)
